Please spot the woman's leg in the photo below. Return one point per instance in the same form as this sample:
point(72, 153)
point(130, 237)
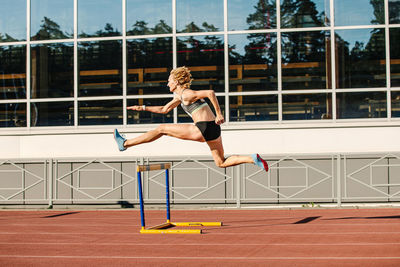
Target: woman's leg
point(181, 131)
point(217, 151)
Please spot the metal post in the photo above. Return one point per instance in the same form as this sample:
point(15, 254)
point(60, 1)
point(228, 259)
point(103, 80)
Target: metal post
point(238, 186)
point(139, 178)
point(51, 177)
point(339, 186)
point(167, 194)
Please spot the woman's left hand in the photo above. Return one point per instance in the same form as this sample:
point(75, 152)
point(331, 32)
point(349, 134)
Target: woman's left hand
point(219, 119)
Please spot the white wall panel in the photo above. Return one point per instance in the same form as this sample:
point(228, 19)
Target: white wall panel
point(268, 141)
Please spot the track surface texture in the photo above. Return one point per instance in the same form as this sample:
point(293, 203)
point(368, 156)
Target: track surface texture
point(312, 237)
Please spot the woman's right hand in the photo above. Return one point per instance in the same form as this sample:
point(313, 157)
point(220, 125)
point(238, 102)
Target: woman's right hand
point(137, 108)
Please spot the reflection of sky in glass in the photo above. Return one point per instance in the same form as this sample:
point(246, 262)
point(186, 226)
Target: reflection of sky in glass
point(353, 36)
point(13, 19)
point(139, 10)
point(199, 11)
point(353, 12)
point(94, 14)
point(237, 43)
point(59, 11)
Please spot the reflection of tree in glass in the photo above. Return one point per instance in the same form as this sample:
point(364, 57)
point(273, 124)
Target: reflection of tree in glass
point(360, 65)
point(192, 27)
point(50, 30)
point(108, 31)
point(300, 14)
point(379, 11)
point(304, 46)
point(264, 16)
point(150, 53)
point(140, 28)
point(394, 11)
point(7, 38)
point(259, 48)
point(199, 52)
point(100, 55)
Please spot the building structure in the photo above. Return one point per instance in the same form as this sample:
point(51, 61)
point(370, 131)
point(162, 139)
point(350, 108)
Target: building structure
point(292, 76)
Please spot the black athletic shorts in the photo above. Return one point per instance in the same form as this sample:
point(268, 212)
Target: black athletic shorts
point(209, 129)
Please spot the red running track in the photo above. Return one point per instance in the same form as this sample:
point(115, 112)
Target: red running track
point(315, 237)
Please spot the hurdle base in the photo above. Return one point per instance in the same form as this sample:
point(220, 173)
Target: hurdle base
point(163, 228)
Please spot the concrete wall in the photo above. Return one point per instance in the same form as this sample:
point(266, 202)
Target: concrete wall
point(275, 140)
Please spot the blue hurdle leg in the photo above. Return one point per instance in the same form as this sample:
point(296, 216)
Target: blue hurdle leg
point(139, 176)
point(167, 194)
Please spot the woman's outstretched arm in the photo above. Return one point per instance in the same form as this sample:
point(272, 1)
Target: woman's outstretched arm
point(158, 109)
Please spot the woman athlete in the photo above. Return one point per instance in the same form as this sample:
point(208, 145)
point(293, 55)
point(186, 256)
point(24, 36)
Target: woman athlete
point(206, 126)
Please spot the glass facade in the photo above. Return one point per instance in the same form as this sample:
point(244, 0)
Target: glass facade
point(73, 63)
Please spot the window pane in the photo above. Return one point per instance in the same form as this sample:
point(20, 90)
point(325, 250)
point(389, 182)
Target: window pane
point(149, 63)
point(306, 60)
point(395, 104)
point(52, 19)
point(252, 62)
point(361, 105)
point(394, 11)
point(303, 14)
point(204, 55)
point(100, 68)
point(183, 117)
point(360, 58)
point(307, 107)
point(104, 112)
point(13, 72)
point(251, 14)
point(143, 18)
point(52, 70)
point(145, 117)
point(359, 12)
point(199, 16)
point(52, 114)
point(99, 18)
point(395, 57)
point(13, 20)
point(253, 108)
point(13, 115)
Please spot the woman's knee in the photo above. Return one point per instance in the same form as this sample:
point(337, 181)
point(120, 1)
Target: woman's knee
point(162, 129)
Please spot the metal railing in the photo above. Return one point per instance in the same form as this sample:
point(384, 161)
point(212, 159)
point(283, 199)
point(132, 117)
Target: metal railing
point(329, 178)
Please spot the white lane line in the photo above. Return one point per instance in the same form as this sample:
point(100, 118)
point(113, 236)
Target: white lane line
point(200, 244)
point(197, 258)
point(213, 233)
point(226, 224)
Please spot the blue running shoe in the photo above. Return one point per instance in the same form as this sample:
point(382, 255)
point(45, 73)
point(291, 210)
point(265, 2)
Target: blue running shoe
point(120, 139)
point(260, 162)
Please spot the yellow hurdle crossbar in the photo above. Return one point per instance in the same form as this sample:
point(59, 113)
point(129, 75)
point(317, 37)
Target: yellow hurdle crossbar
point(163, 228)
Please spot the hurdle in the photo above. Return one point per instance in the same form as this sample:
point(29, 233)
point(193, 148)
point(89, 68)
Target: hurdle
point(163, 228)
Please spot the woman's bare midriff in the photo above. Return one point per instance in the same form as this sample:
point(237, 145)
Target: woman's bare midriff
point(203, 114)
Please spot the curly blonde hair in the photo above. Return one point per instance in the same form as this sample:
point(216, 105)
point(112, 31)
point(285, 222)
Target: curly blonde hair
point(182, 76)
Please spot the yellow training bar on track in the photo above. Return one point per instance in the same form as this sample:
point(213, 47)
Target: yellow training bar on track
point(169, 231)
point(163, 228)
point(197, 224)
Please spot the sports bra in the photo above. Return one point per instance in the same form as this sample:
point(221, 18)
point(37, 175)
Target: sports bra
point(195, 106)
